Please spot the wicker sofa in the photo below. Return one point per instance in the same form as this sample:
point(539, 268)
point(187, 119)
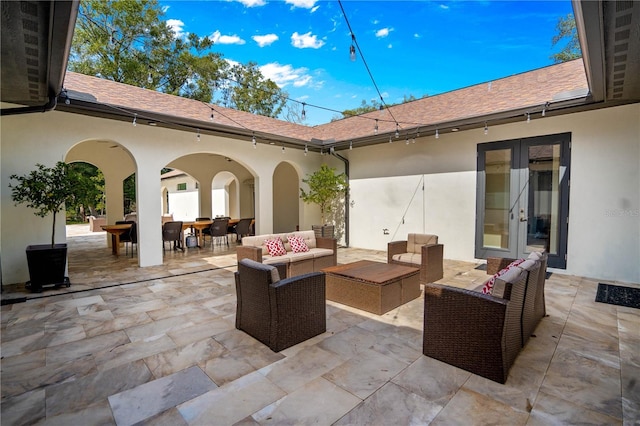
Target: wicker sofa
point(484, 333)
point(322, 252)
point(419, 251)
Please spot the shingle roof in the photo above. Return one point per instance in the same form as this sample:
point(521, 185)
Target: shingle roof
point(526, 90)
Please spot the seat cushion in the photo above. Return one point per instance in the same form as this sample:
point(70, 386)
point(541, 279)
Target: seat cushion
point(413, 258)
point(415, 241)
point(275, 276)
point(487, 288)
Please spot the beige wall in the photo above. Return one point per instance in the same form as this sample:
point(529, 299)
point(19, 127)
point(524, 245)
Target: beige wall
point(118, 149)
point(604, 226)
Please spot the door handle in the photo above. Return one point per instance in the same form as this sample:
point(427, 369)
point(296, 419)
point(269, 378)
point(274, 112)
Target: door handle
point(522, 217)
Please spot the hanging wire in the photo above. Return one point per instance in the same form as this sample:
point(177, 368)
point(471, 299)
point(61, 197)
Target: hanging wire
point(364, 61)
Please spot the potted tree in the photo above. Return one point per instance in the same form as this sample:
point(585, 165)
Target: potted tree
point(45, 189)
point(324, 188)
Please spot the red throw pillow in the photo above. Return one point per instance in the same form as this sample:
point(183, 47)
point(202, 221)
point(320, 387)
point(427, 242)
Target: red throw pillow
point(488, 286)
point(275, 247)
point(297, 244)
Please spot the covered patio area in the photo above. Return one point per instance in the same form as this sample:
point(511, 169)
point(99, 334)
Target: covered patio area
point(158, 345)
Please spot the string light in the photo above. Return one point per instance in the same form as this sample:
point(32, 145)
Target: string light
point(407, 141)
point(375, 129)
point(211, 117)
point(544, 109)
point(528, 118)
point(135, 118)
point(306, 150)
point(350, 145)
point(397, 130)
point(352, 49)
point(283, 149)
point(437, 134)
point(253, 141)
point(390, 140)
point(198, 136)
point(304, 113)
point(418, 133)
point(486, 128)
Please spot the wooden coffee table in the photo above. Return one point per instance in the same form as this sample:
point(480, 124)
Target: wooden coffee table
point(372, 286)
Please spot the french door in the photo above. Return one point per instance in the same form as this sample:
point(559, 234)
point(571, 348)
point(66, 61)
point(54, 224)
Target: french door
point(523, 198)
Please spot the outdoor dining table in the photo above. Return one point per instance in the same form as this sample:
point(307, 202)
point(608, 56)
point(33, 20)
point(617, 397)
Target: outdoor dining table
point(116, 231)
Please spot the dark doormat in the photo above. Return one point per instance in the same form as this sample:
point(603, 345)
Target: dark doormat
point(618, 295)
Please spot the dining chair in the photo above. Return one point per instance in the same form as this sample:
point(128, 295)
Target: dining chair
point(130, 237)
point(172, 232)
point(243, 227)
point(205, 231)
point(219, 229)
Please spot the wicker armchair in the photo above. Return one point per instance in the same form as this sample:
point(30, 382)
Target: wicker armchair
point(477, 332)
point(279, 313)
point(419, 251)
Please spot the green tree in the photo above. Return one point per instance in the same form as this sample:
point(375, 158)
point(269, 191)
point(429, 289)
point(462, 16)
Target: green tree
point(566, 28)
point(324, 187)
point(88, 190)
point(46, 190)
point(129, 41)
point(253, 93)
point(375, 105)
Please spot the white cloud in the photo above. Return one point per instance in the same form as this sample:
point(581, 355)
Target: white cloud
point(304, 4)
point(177, 26)
point(444, 6)
point(252, 3)
point(416, 35)
point(390, 46)
point(283, 75)
point(218, 38)
point(303, 41)
point(265, 40)
point(383, 32)
point(315, 8)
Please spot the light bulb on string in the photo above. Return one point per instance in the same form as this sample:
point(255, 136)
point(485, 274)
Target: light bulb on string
point(306, 150)
point(528, 118)
point(486, 128)
point(352, 49)
point(397, 130)
point(253, 141)
point(418, 133)
point(198, 136)
point(304, 113)
point(135, 120)
point(437, 134)
point(283, 149)
point(375, 129)
point(407, 141)
point(211, 117)
point(350, 145)
point(390, 140)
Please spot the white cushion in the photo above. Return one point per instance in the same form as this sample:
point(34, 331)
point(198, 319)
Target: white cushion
point(413, 258)
point(415, 241)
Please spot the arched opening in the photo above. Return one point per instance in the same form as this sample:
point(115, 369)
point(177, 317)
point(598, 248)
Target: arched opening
point(285, 198)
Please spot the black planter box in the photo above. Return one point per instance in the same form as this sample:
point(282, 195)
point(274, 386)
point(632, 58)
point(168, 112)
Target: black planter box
point(46, 266)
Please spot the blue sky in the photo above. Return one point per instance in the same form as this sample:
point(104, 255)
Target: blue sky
point(411, 47)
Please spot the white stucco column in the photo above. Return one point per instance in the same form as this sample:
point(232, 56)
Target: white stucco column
point(264, 205)
point(114, 194)
point(204, 189)
point(149, 206)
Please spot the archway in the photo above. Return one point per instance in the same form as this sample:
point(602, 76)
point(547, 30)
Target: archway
point(286, 198)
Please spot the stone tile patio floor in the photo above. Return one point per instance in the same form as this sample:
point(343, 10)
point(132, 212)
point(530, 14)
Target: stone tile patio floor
point(162, 349)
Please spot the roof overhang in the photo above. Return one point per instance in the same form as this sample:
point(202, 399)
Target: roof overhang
point(36, 41)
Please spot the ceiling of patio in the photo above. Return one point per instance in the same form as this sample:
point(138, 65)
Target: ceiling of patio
point(36, 40)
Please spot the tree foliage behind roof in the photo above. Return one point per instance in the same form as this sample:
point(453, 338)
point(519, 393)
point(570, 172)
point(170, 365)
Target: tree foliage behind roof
point(129, 41)
point(566, 28)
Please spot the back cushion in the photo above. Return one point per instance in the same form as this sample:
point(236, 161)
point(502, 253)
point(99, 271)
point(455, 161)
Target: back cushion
point(415, 241)
point(507, 274)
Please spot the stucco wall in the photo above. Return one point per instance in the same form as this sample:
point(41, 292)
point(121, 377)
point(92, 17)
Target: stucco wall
point(118, 149)
point(604, 226)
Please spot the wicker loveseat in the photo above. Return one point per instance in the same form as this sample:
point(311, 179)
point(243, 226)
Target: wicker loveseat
point(279, 312)
point(483, 333)
point(419, 251)
point(322, 252)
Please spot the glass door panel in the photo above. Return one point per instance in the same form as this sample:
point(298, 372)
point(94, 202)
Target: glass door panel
point(496, 199)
